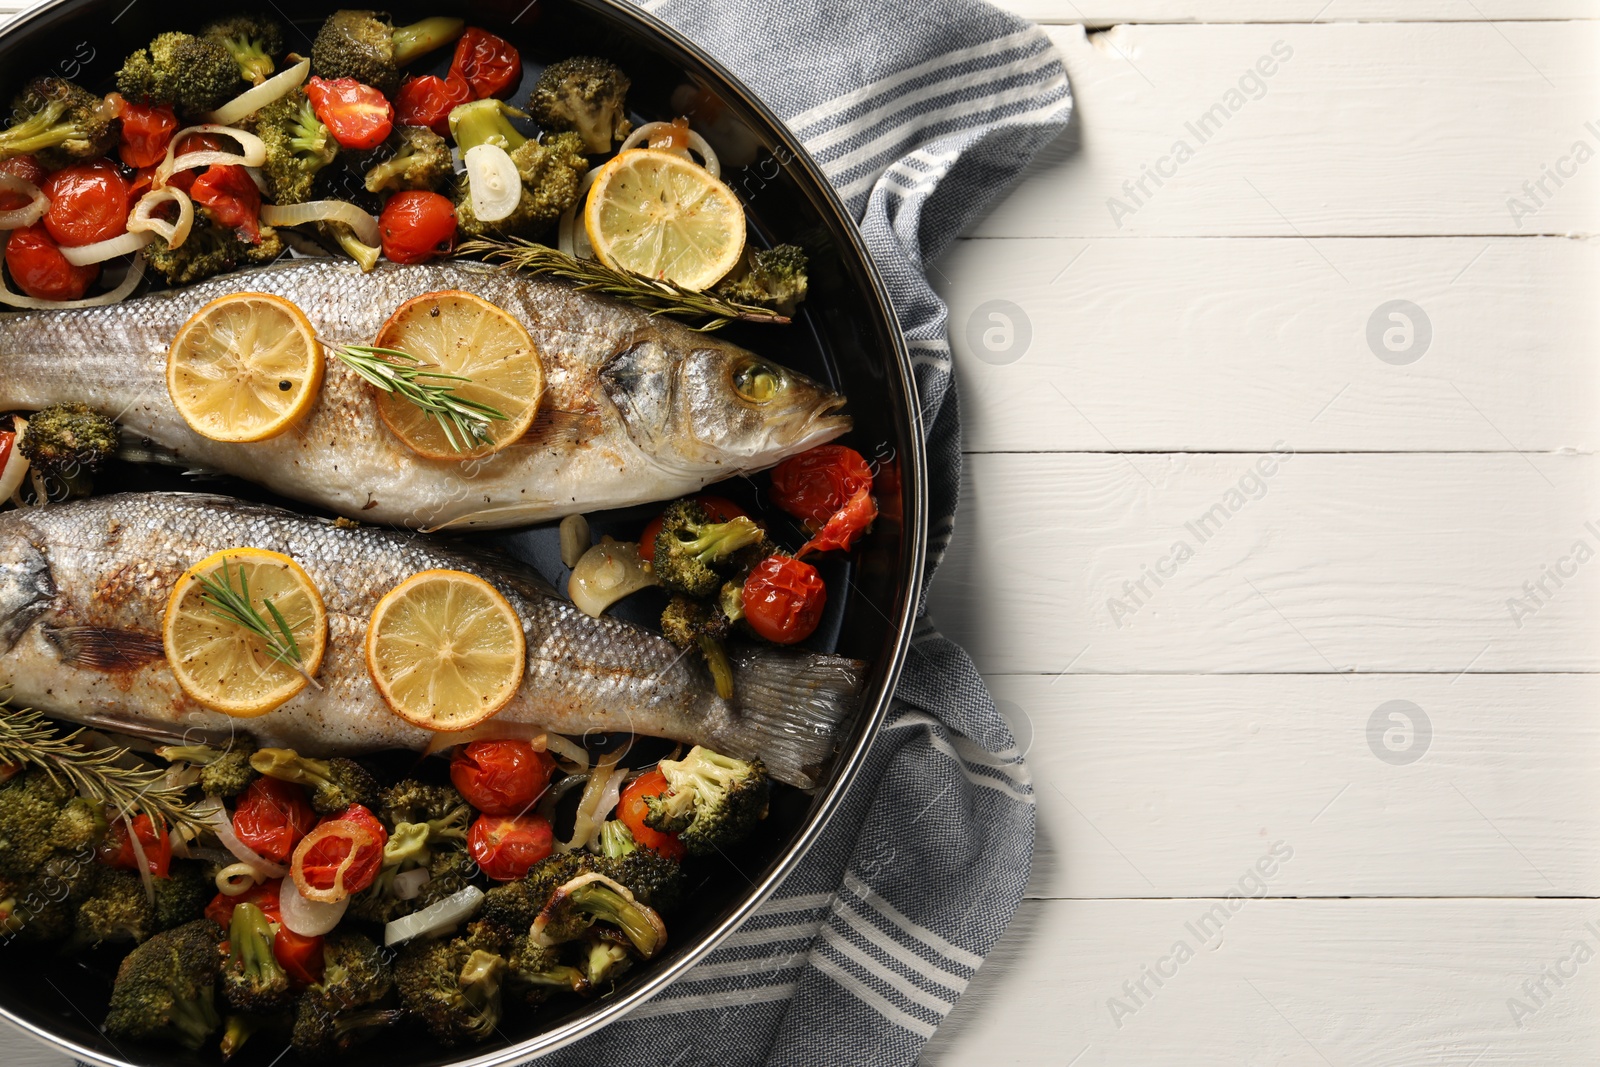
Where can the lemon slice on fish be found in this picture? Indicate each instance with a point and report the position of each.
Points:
(445, 650)
(245, 367)
(232, 667)
(660, 215)
(458, 333)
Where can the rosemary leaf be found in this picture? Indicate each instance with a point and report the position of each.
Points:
(233, 605)
(409, 378)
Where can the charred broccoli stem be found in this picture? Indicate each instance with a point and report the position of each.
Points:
(687, 623)
(420, 160)
(452, 988)
(592, 898)
(773, 278)
(60, 123)
(712, 801)
(69, 441)
(298, 147)
(535, 971)
(252, 41)
(335, 783)
(366, 46)
(166, 988)
(689, 546)
(224, 771)
(587, 95)
(193, 74)
(252, 979)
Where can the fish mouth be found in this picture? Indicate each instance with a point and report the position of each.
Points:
(825, 419)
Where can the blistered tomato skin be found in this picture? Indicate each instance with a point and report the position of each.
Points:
(88, 203)
(416, 226)
(40, 270)
(783, 599)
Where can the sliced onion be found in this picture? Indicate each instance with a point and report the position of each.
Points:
(364, 225)
(126, 286)
(493, 182)
(407, 884)
(174, 233)
(358, 836)
(574, 539)
(442, 915)
(138, 850)
(309, 918)
(570, 233)
(490, 730)
(259, 96)
(30, 212)
(237, 879)
(254, 151)
(16, 467)
(605, 780)
(573, 751)
(697, 144)
(606, 573)
(110, 248)
(222, 826)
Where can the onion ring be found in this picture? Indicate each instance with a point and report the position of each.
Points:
(126, 286)
(364, 225)
(257, 97)
(359, 837)
(110, 248)
(174, 233)
(30, 213)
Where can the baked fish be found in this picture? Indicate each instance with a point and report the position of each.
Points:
(84, 585)
(636, 408)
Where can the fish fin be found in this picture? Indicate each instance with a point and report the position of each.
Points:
(556, 426)
(789, 706)
(105, 648)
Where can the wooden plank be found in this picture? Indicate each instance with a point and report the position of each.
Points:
(1314, 563)
(1313, 983)
(1360, 129)
(1233, 344)
(1165, 786)
(1110, 12)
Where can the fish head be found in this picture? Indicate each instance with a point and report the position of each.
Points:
(26, 587)
(717, 406)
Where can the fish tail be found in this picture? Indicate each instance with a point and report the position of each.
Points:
(788, 708)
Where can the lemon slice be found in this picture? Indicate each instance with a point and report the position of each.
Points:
(225, 665)
(244, 368)
(457, 333)
(663, 216)
(445, 650)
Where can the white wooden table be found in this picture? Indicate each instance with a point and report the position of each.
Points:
(1319, 786)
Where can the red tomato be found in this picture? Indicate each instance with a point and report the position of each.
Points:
(184, 179)
(718, 509)
(416, 226)
(25, 167)
(146, 132)
(501, 777)
(632, 809)
(298, 954)
(319, 858)
(272, 817)
(847, 524)
(117, 849)
(818, 482)
(783, 599)
(357, 115)
(428, 101)
(505, 846)
(263, 896)
(233, 200)
(88, 203)
(7, 439)
(40, 270)
(489, 64)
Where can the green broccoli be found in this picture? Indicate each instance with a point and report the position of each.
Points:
(166, 988)
(654, 879)
(604, 959)
(193, 74)
(551, 171)
(298, 147)
(59, 123)
(42, 906)
(690, 623)
(515, 905)
(224, 771)
(69, 442)
(689, 545)
(343, 236)
(116, 909)
(252, 978)
(413, 801)
(591, 898)
(209, 250)
(252, 41)
(30, 803)
(711, 800)
(183, 893)
(240, 1027)
(366, 46)
(772, 278)
(335, 783)
(585, 94)
(420, 160)
(535, 971)
(355, 976)
(452, 988)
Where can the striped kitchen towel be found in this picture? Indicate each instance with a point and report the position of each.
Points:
(920, 112)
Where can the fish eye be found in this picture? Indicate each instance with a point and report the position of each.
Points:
(757, 382)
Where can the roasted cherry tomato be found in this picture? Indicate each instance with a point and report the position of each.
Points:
(428, 101)
(88, 203)
(783, 599)
(357, 115)
(847, 524)
(717, 509)
(489, 64)
(505, 846)
(416, 226)
(7, 440)
(263, 896)
(40, 270)
(25, 167)
(326, 852)
(501, 777)
(298, 954)
(272, 817)
(818, 482)
(632, 809)
(146, 132)
(116, 850)
(232, 199)
(182, 179)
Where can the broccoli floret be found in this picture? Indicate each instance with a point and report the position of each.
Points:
(209, 250)
(319, 1035)
(335, 783)
(116, 909)
(452, 988)
(252, 979)
(193, 74)
(654, 879)
(298, 147)
(420, 160)
(225, 771)
(166, 988)
(69, 441)
(183, 893)
(515, 905)
(42, 906)
(366, 46)
(551, 170)
(60, 123)
(355, 976)
(449, 872)
(29, 806)
(773, 278)
(711, 801)
(535, 971)
(252, 41)
(690, 623)
(343, 236)
(412, 800)
(689, 545)
(592, 898)
(585, 94)
(605, 958)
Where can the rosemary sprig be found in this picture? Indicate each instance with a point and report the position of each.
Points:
(403, 374)
(25, 738)
(233, 605)
(656, 297)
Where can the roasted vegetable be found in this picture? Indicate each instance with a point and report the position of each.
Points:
(193, 74)
(587, 95)
(712, 801)
(252, 41)
(366, 46)
(59, 123)
(166, 988)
